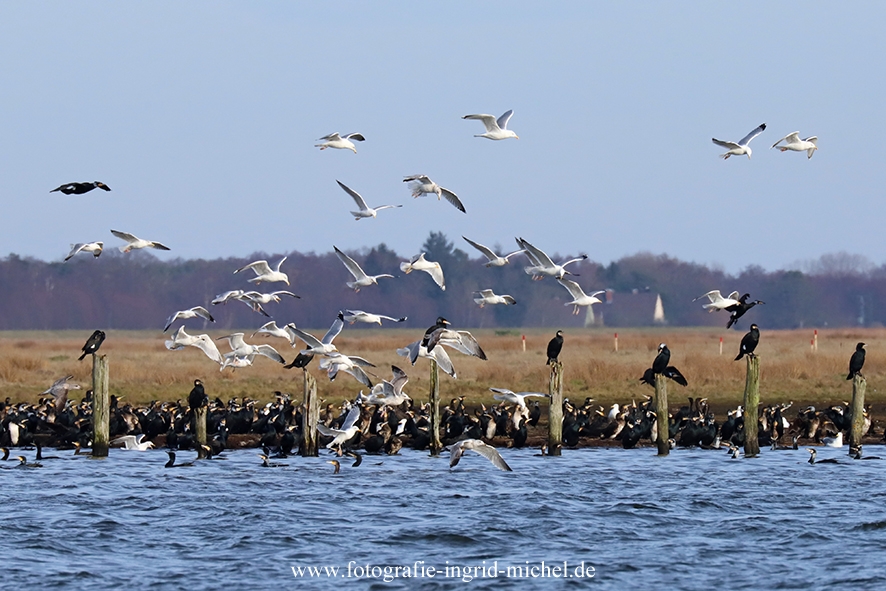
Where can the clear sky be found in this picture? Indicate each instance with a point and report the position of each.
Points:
(202, 116)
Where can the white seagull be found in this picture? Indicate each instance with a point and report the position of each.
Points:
(195, 312)
(460, 340)
(365, 210)
(487, 451)
(421, 185)
(267, 298)
(348, 429)
(59, 390)
(795, 144)
(263, 272)
(579, 297)
(94, 247)
(361, 279)
(493, 259)
(335, 362)
(334, 140)
(518, 398)
(542, 265)
(496, 129)
(135, 243)
(413, 351)
(419, 263)
(486, 296)
(133, 442)
(322, 346)
(352, 316)
(240, 348)
(718, 302)
(390, 393)
(180, 339)
(271, 329)
(742, 146)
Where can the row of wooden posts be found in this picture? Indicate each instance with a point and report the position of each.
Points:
(309, 445)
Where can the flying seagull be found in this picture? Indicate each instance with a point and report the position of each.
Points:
(493, 259)
(334, 140)
(317, 346)
(195, 312)
(488, 297)
(419, 263)
(59, 390)
(579, 297)
(421, 185)
(365, 210)
(717, 302)
(518, 398)
(487, 451)
(352, 316)
(542, 265)
(496, 129)
(361, 279)
(80, 188)
(742, 146)
(94, 247)
(264, 273)
(133, 442)
(180, 339)
(348, 429)
(793, 142)
(135, 243)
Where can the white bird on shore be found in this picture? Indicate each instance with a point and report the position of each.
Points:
(390, 393)
(361, 279)
(742, 147)
(335, 362)
(795, 144)
(542, 265)
(518, 398)
(348, 429)
(180, 339)
(496, 129)
(94, 247)
(487, 451)
(135, 243)
(334, 140)
(487, 297)
(352, 316)
(195, 312)
(717, 301)
(493, 259)
(133, 442)
(579, 297)
(322, 346)
(240, 348)
(420, 185)
(263, 272)
(365, 210)
(419, 263)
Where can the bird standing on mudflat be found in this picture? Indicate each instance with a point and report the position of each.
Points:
(856, 362)
(555, 345)
(92, 343)
(749, 343)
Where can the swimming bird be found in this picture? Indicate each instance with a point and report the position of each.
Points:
(23, 463)
(738, 309)
(420, 185)
(92, 344)
(812, 455)
(793, 142)
(336, 464)
(322, 346)
(555, 345)
(94, 247)
(180, 339)
(390, 393)
(59, 390)
(264, 273)
(742, 147)
(419, 263)
(542, 265)
(749, 343)
(493, 260)
(352, 316)
(195, 312)
(361, 279)
(579, 297)
(266, 463)
(348, 429)
(717, 302)
(171, 462)
(241, 350)
(334, 140)
(133, 442)
(136, 243)
(80, 188)
(487, 451)
(856, 362)
(197, 397)
(365, 210)
(496, 129)
(487, 297)
(518, 398)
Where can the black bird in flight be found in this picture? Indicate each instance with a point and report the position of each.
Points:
(554, 347)
(197, 397)
(80, 188)
(856, 362)
(93, 343)
(736, 311)
(749, 342)
(301, 361)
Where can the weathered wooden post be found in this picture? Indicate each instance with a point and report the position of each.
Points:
(859, 385)
(308, 446)
(555, 411)
(661, 415)
(751, 404)
(436, 445)
(200, 424)
(100, 406)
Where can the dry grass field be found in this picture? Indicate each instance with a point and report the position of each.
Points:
(141, 369)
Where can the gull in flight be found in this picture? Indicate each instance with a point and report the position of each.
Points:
(263, 272)
(195, 312)
(136, 243)
(133, 442)
(361, 279)
(486, 296)
(793, 142)
(352, 316)
(742, 146)
(493, 259)
(518, 398)
(718, 302)
(460, 340)
(390, 393)
(322, 346)
(241, 296)
(271, 329)
(419, 263)
(334, 140)
(267, 298)
(487, 451)
(242, 349)
(579, 297)
(542, 265)
(413, 351)
(94, 247)
(180, 339)
(421, 184)
(348, 429)
(335, 362)
(59, 391)
(496, 129)
(80, 188)
(365, 210)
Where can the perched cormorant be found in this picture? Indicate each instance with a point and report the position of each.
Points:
(197, 397)
(660, 366)
(93, 343)
(749, 342)
(736, 311)
(80, 188)
(856, 362)
(661, 360)
(554, 347)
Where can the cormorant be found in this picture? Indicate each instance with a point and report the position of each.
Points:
(749, 342)
(554, 347)
(736, 311)
(660, 366)
(171, 463)
(197, 397)
(301, 361)
(93, 343)
(856, 362)
(441, 323)
(80, 188)
(812, 460)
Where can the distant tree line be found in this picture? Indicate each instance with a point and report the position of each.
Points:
(137, 291)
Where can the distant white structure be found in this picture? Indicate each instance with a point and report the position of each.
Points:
(658, 316)
(590, 319)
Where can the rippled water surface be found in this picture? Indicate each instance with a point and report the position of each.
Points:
(694, 520)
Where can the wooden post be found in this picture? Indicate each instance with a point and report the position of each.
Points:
(200, 424)
(555, 410)
(100, 406)
(308, 446)
(436, 445)
(751, 404)
(859, 385)
(661, 414)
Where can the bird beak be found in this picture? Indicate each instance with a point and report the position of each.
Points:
(517, 136)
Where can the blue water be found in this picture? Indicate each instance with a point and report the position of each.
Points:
(694, 520)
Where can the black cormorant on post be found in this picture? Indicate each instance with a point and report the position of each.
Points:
(736, 311)
(554, 347)
(856, 362)
(93, 343)
(441, 323)
(749, 342)
(660, 365)
(197, 397)
(80, 188)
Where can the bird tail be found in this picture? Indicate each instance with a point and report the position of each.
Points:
(740, 355)
(850, 376)
(82, 356)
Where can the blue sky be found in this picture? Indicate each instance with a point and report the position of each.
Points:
(201, 116)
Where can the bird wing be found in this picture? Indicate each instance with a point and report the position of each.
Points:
(399, 380)
(280, 264)
(350, 264)
(124, 236)
(358, 199)
(485, 250)
(462, 341)
(75, 248)
(443, 361)
(269, 352)
(351, 419)
(543, 259)
(328, 432)
(756, 131)
(235, 341)
(574, 288)
(721, 143)
(310, 340)
(455, 452)
(289, 293)
(159, 246)
(202, 313)
(417, 177)
(333, 331)
(790, 138)
(529, 253)
(505, 117)
(713, 296)
(260, 268)
(733, 296)
(491, 454)
(331, 137)
(453, 199)
(128, 441)
(355, 136)
(436, 273)
(488, 121)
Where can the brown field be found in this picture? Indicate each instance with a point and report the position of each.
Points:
(141, 369)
